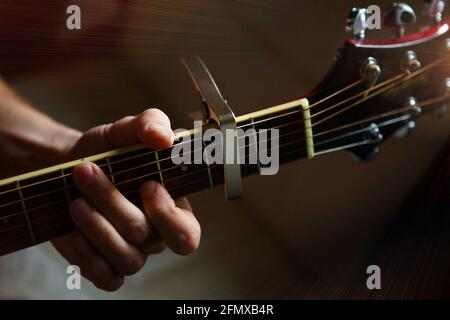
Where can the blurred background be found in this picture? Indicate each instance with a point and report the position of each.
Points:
(300, 234)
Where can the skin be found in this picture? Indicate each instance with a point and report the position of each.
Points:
(114, 238)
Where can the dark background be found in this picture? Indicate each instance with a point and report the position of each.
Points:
(300, 234)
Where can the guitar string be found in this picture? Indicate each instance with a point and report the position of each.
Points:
(384, 89)
(423, 104)
(195, 181)
(403, 108)
(407, 75)
(315, 104)
(59, 224)
(332, 95)
(145, 154)
(143, 165)
(261, 121)
(126, 193)
(344, 89)
(29, 198)
(134, 191)
(69, 187)
(387, 82)
(393, 112)
(152, 152)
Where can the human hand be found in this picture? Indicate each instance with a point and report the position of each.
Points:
(114, 237)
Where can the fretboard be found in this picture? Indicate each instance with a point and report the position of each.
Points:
(34, 207)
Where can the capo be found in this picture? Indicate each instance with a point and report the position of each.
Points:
(216, 109)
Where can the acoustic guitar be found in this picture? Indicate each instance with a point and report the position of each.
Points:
(376, 89)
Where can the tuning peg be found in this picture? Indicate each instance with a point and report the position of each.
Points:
(369, 151)
(398, 15)
(434, 9)
(370, 71)
(415, 111)
(374, 134)
(357, 23)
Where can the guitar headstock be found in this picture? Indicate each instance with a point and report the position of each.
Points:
(378, 88)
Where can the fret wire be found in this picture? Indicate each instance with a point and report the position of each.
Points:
(126, 193)
(379, 85)
(168, 169)
(111, 175)
(18, 237)
(281, 136)
(217, 175)
(211, 182)
(257, 155)
(25, 213)
(242, 126)
(295, 141)
(130, 180)
(134, 179)
(134, 191)
(20, 187)
(148, 153)
(159, 168)
(66, 188)
(253, 124)
(191, 152)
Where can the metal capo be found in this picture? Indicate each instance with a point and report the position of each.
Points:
(215, 108)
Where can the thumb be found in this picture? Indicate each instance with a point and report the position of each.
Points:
(152, 127)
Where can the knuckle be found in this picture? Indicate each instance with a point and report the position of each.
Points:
(153, 246)
(79, 211)
(107, 194)
(157, 248)
(107, 134)
(188, 241)
(136, 228)
(132, 265)
(154, 114)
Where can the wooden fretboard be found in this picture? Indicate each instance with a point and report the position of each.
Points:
(33, 207)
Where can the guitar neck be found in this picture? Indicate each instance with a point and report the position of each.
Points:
(34, 206)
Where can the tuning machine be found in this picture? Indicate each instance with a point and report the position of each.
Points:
(371, 149)
(370, 71)
(415, 111)
(374, 134)
(398, 15)
(357, 23)
(410, 62)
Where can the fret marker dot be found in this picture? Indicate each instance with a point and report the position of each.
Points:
(184, 168)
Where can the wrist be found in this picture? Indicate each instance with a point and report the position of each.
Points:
(47, 143)
(62, 141)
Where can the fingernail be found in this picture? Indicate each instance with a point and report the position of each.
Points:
(85, 172)
(80, 208)
(162, 130)
(149, 188)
